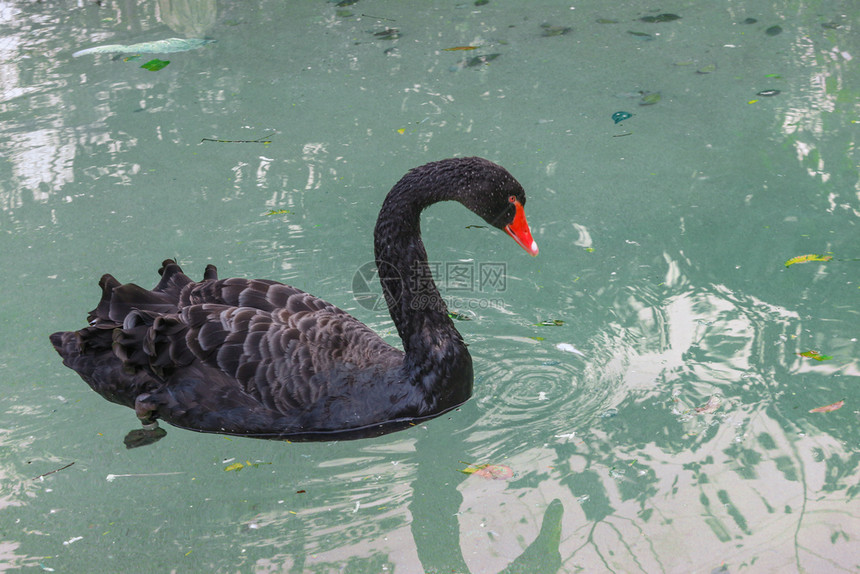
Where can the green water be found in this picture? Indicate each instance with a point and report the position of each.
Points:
(663, 245)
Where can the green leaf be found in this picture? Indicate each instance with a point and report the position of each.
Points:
(155, 65)
(815, 355)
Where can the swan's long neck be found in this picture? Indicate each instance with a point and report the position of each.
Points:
(434, 348)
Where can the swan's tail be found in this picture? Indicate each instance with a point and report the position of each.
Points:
(96, 353)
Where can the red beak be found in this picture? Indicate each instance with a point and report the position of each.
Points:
(519, 230)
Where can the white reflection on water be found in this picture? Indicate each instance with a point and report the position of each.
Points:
(638, 467)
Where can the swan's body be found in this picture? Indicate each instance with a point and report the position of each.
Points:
(259, 358)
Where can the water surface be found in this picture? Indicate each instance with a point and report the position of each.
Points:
(663, 247)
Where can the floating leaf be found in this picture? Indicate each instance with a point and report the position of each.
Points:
(660, 18)
(828, 408)
(549, 30)
(649, 98)
(481, 2)
(768, 93)
(344, 3)
(815, 355)
(155, 65)
(807, 258)
(239, 466)
(618, 117)
(459, 316)
(278, 211)
(707, 69)
(773, 31)
(550, 323)
(639, 34)
(489, 471)
(710, 406)
(388, 34)
(480, 60)
(606, 21)
(460, 48)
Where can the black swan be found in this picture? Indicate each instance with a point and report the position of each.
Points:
(257, 358)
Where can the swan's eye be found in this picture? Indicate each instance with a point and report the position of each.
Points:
(512, 199)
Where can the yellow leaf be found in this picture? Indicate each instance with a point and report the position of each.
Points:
(234, 466)
(401, 131)
(807, 258)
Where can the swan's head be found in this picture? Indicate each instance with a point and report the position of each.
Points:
(496, 196)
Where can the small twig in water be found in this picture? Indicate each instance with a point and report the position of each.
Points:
(42, 476)
(378, 17)
(113, 477)
(262, 140)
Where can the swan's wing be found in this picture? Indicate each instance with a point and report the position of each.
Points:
(224, 343)
(291, 358)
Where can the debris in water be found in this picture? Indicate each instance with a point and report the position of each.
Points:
(388, 34)
(113, 477)
(42, 476)
(155, 65)
(815, 355)
(773, 31)
(829, 408)
(550, 30)
(660, 18)
(167, 46)
(649, 98)
(568, 348)
(709, 407)
(263, 140)
(807, 258)
(488, 471)
(549, 323)
(619, 117)
(72, 540)
(481, 60)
